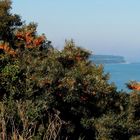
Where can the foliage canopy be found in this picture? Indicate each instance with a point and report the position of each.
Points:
(51, 95)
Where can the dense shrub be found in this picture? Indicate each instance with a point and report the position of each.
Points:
(40, 83)
(51, 95)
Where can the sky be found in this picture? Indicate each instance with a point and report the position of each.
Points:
(102, 26)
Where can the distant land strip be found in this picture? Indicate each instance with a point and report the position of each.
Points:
(107, 59)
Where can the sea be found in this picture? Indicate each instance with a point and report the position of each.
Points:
(122, 73)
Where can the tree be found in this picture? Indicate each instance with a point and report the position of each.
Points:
(60, 81)
(8, 22)
(51, 94)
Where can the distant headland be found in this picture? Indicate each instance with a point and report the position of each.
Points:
(107, 59)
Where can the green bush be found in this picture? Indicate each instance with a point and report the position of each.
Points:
(51, 95)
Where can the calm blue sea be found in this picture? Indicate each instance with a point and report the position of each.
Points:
(121, 74)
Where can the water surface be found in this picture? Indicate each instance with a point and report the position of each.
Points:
(123, 73)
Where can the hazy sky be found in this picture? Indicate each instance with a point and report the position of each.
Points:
(102, 26)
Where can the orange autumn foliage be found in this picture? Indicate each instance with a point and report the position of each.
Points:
(30, 42)
(134, 86)
(5, 47)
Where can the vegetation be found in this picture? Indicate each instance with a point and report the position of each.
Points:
(46, 94)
